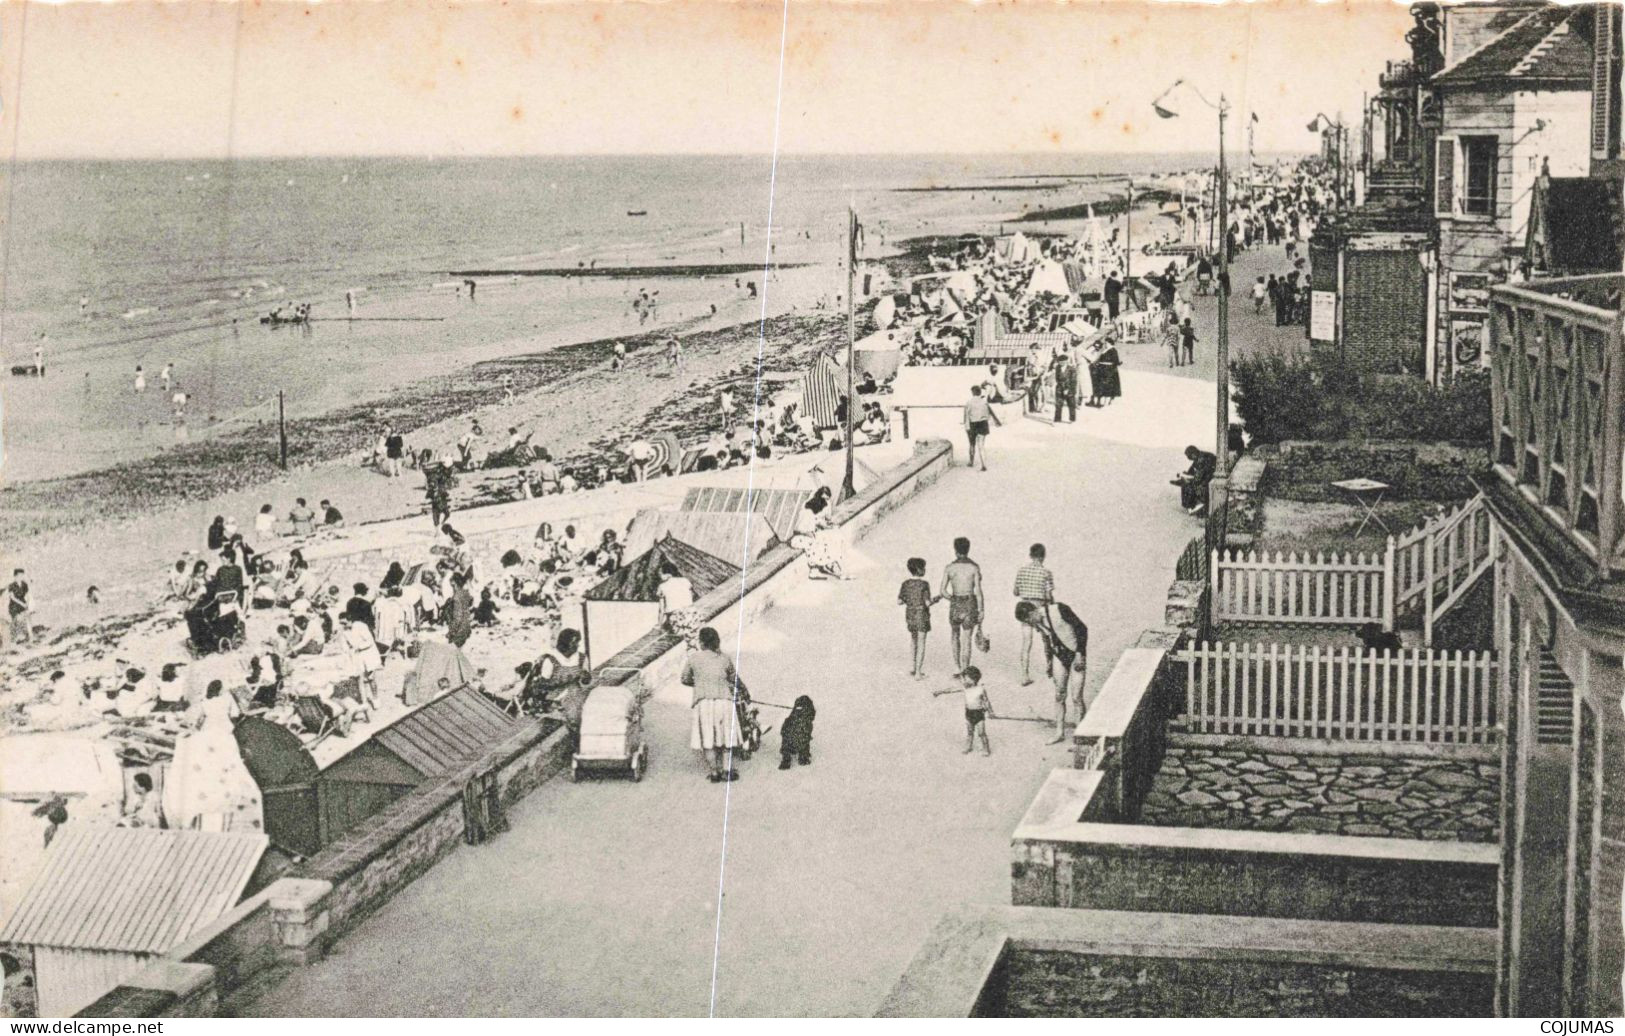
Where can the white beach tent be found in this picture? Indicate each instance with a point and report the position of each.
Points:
(881, 354)
(1049, 276)
(82, 769)
(885, 312)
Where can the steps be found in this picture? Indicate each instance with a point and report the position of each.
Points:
(1554, 704)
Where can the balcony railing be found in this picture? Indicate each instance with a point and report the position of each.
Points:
(1559, 405)
(1397, 75)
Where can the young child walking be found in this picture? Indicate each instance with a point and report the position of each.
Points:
(977, 709)
(915, 597)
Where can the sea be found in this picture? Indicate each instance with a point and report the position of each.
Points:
(150, 245)
(109, 264)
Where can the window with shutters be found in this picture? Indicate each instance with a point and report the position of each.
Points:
(1605, 89)
(1479, 172)
(1444, 177)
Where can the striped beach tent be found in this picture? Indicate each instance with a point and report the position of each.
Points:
(822, 387)
(668, 456)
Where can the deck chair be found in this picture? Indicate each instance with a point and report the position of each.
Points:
(316, 717)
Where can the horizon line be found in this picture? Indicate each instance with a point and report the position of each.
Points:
(437, 156)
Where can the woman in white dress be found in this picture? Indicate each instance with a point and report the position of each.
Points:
(814, 536)
(364, 660)
(207, 787)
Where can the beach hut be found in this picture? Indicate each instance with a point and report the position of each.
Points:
(822, 387)
(287, 777)
(1017, 248)
(36, 768)
(726, 535)
(423, 745)
(109, 899)
(885, 312)
(779, 507)
(626, 605)
(1049, 277)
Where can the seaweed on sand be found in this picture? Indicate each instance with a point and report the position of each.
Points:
(247, 457)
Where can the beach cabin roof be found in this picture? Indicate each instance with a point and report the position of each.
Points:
(132, 890)
(781, 507)
(427, 743)
(639, 579)
(725, 535)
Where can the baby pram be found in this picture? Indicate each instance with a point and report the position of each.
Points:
(215, 624)
(611, 733)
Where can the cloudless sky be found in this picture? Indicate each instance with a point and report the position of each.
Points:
(196, 79)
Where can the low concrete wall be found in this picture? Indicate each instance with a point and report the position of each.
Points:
(1027, 962)
(1124, 732)
(295, 919)
(1060, 860)
(657, 657)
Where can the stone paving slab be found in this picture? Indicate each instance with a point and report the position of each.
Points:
(1353, 794)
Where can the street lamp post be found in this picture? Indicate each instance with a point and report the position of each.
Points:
(1222, 375)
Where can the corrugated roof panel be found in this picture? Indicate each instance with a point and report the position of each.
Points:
(132, 890)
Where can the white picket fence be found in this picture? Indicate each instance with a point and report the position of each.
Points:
(1280, 587)
(1438, 561)
(1347, 694)
(1425, 570)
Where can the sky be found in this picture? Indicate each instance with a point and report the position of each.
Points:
(184, 79)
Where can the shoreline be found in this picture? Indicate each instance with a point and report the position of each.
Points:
(246, 458)
(690, 270)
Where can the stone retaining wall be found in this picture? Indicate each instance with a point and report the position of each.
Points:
(1064, 856)
(1026, 962)
(1248, 788)
(1061, 984)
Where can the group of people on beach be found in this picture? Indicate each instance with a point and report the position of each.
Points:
(1064, 637)
(169, 387)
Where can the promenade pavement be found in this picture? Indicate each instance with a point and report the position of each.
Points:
(603, 897)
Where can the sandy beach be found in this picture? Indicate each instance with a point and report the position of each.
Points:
(152, 496)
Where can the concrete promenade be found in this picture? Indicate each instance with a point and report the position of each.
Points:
(602, 899)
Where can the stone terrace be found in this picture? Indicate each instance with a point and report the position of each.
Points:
(1253, 788)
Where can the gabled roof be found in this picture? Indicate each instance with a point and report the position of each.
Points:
(1546, 45)
(639, 579)
(728, 536)
(132, 889)
(438, 737)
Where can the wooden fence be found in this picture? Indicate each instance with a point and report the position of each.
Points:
(1344, 694)
(1420, 573)
(1280, 587)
